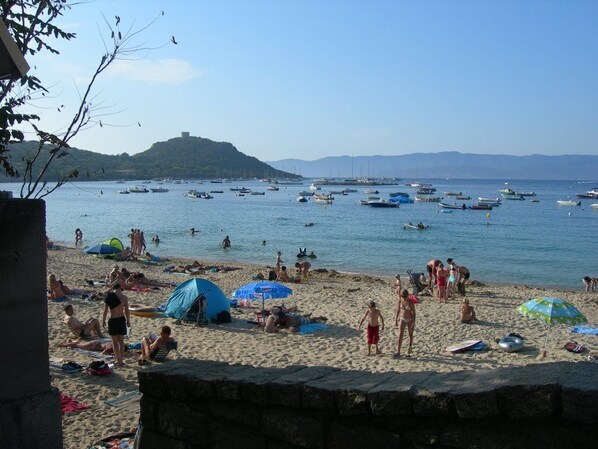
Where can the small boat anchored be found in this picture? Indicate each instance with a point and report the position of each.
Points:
(568, 203)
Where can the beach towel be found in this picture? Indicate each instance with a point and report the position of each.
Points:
(68, 404)
(311, 328)
(94, 354)
(585, 330)
(130, 401)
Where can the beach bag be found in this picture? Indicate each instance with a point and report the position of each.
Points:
(271, 275)
(98, 368)
(574, 347)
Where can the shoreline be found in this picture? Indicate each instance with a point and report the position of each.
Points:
(342, 297)
(390, 275)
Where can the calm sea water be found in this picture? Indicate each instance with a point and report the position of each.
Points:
(538, 244)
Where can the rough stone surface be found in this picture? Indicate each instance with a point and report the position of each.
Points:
(544, 406)
(294, 428)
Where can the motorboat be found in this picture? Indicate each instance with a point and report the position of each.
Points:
(463, 198)
(594, 206)
(257, 193)
(314, 187)
(124, 192)
(494, 202)
(514, 197)
(371, 192)
(349, 190)
(568, 203)
(138, 189)
(480, 207)
(305, 193)
(527, 193)
(216, 191)
(426, 191)
(159, 189)
(428, 199)
(273, 188)
(452, 193)
(244, 190)
(198, 194)
(452, 206)
(301, 199)
(323, 196)
(320, 200)
(382, 203)
(405, 194)
(507, 191)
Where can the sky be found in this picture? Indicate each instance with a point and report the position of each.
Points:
(308, 79)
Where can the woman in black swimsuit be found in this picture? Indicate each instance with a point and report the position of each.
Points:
(118, 305)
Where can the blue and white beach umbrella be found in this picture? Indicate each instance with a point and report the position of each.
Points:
(262, 290)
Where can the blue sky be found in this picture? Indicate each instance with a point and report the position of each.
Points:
(310, 79)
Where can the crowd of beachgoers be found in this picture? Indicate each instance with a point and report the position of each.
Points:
(425, 313)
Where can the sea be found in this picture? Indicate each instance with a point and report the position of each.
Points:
(520, 242)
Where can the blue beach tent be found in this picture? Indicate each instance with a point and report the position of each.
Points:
(184, 295)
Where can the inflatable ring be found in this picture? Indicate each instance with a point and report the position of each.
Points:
(511, 344)
(143, 311)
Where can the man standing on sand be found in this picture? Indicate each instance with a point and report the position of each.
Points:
(432, 266)
(463, 273)
(118, 305)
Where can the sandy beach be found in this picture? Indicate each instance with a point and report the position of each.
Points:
(342, 297)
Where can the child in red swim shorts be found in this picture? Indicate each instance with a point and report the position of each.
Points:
(374, 318)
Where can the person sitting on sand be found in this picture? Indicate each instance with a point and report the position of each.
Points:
(81, 329)
(56, 290)
(468, 315)
(283, 276)
(374, 318)
(151, 344)
(590, 283)
(105, 347)
(270, 325)
(115, 276)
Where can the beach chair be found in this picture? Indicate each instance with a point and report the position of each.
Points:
(165, 349)
(415, 282)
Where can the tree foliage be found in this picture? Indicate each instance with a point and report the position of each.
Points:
(31, 24)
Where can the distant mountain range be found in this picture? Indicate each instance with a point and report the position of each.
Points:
(183, 157)
(448, 164)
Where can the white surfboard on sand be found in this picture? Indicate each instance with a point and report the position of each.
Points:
(463, 346)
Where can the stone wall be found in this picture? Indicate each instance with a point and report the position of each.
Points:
(195, 404)
(29, 407)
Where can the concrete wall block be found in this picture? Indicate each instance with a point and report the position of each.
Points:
(150, 410)
(433, 403)
(287, 389)
(476, 405)
(32, 422)
(223, 435)
(391, 402)
(237, 412)
(179, 421)
(344, 437)
(487, 435)
(352, 402)
(318, 398)
(528, 401)
(152, 383)
(580, 405)
(150, 439)
(294, 428)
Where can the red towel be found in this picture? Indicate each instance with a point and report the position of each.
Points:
(70, 405)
